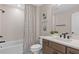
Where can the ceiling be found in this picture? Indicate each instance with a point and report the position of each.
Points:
(64, 7)
(20, 6)
(59, 8)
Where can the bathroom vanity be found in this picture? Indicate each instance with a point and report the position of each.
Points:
(58, 46)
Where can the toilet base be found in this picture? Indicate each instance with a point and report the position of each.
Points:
(36, 52)
(36, 48)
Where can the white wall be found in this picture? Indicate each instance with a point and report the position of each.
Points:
(12, 23)
(37, 23)
(49, 20)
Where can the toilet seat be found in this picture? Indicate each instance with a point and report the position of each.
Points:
(36, 46)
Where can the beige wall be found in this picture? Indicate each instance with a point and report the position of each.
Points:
(12, 22)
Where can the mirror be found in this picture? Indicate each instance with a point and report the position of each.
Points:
(75, 23)
(67, 18)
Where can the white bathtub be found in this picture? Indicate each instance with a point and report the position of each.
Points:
(11, 47)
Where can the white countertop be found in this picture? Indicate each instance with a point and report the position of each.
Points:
(74, 43)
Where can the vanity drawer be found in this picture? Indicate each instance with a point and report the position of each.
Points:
(72, 51)
(57, 46)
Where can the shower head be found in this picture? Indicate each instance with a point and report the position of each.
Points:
(2, 10)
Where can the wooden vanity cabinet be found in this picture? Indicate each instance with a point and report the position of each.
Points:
(50, 47)
(72, 51)
(48, 50)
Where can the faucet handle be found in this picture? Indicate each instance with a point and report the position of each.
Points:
(60, 36)
(68, 37)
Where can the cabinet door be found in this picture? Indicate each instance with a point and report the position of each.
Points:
(57, 52)
(48, 50)
(57, 47)
(72, 51)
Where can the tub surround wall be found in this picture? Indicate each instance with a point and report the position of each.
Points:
(12, 23)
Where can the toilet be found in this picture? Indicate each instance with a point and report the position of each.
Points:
(36, 48)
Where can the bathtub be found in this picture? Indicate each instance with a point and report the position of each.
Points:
(12, 47)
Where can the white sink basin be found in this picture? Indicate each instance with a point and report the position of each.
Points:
(65, 40)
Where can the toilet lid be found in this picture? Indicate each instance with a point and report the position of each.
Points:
(36, 46)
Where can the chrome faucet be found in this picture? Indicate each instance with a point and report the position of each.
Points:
(65, 35)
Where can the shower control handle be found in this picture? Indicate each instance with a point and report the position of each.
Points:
(2, 41)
